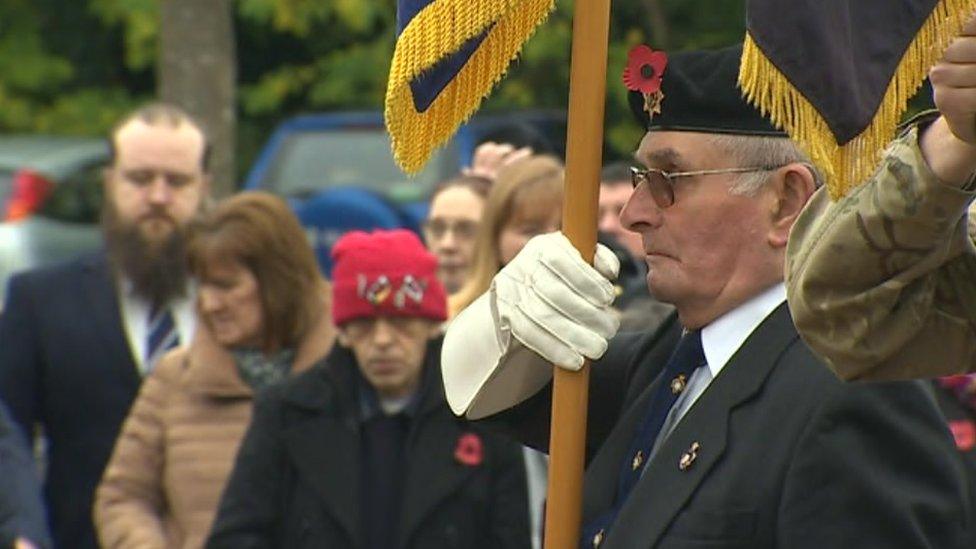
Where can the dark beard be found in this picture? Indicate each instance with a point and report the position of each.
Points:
(157, 270)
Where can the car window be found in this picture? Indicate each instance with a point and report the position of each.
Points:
(311, 161)
(6, 185)
(78, 198)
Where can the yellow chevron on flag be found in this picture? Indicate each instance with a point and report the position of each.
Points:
(449, 55)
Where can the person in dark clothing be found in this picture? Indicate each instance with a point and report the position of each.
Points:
(362, 451)
(22, 520)
(956, 397)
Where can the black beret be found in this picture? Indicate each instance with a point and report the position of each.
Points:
(701, 95)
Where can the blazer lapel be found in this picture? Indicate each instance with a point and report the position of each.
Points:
(433, 471)
(106, 314)
(325, 451)
(678, 468)
(600, 483)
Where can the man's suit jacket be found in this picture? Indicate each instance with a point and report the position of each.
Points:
(296, 482)
(65, 363)
(787, 456)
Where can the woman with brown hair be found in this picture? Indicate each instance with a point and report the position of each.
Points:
(259, 321)
(525, 200)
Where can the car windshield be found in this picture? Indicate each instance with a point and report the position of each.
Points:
(311, 161)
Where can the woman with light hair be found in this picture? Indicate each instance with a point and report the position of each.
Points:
(525, 201)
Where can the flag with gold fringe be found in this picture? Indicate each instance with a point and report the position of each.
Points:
(837, 75)
(449, 55)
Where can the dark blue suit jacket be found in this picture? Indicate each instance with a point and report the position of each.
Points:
(65, 364)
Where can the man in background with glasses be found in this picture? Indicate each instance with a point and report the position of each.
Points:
(721, 428)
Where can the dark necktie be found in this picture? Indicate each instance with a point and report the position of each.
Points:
(161, 335)
(687, 357)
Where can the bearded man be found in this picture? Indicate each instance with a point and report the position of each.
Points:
(77, 338)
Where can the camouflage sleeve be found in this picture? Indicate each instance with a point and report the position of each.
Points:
(882, 283)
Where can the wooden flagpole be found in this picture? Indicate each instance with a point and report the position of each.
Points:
(584, 155)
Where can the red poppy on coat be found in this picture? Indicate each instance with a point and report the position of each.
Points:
(469, 450)
(964, 431)
(644, 69)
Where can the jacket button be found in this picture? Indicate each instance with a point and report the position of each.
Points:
(638, 460)
(689, 457)
(598, 538)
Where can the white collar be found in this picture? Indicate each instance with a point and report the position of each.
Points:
(723, 337)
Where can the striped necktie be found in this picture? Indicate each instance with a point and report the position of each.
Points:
(161, 336)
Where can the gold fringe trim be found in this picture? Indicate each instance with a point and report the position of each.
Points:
(846, 166)
(437, 31)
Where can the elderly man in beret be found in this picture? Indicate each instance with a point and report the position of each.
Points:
(721, 428)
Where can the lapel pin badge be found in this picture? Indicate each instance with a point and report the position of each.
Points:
(688, 458)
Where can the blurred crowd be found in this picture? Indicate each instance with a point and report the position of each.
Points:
(131, 374)
(200, 383)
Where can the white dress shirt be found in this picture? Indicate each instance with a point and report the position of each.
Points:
(135, 319)
(720, 341)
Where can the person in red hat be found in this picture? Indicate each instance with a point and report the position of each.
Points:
(362, 450)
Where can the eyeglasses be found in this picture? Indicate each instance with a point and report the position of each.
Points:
(661, 183)
(436, 229)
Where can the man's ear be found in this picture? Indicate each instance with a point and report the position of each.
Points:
(793, 186)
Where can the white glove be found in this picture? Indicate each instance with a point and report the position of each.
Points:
(555, 303)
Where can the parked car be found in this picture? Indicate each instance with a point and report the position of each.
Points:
(50, 195)
(338, 172)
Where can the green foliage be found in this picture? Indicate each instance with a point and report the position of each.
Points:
(73, 66)
(140, 21)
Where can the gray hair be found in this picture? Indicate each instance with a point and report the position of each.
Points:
(754, 150)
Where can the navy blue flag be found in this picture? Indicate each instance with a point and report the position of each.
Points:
(449, 55)
(837, 75)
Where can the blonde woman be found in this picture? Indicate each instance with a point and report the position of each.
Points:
(525, 201)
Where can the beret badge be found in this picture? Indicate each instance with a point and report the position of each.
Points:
(643, 73)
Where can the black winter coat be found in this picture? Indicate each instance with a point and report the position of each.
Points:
(296, 480)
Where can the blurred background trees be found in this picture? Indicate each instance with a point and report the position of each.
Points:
(73, 66)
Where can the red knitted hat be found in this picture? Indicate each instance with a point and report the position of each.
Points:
(385, 273)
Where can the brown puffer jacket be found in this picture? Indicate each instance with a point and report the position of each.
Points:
(177, 447)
